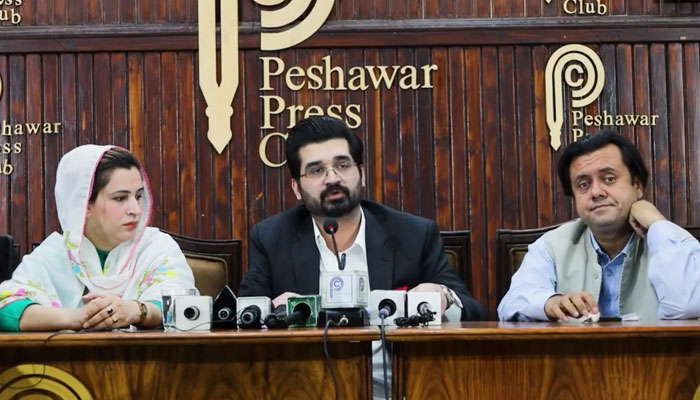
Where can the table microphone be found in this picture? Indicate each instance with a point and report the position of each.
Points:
(342, 289)
(330, 226)
(387, 308)
(300, 312)
(425, 310)
(251, 311)
(387, 304)
(250, 317)
(303, 311)
(224, 310)
(276, 319)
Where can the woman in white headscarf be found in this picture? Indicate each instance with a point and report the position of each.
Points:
(107, 268)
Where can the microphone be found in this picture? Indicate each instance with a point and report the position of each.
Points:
(224, 310)
(425, 308)
(276, 319)
(426, 305)
(330, 226)
(251, 311)
(387, 307)
(300, 313)
(279, 319)
(342, 289)
(304, 311)
(391, 304)
(250, 317)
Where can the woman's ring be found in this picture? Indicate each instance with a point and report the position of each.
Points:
(115, 319)
(110, 310)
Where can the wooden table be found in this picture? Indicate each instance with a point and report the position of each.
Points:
(262, 364)
(491, 360)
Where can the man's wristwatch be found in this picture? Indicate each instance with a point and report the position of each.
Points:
(144, 313)
(449, 296)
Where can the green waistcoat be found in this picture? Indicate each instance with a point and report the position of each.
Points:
(576, 264)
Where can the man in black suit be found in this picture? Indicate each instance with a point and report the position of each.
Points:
(398, 250)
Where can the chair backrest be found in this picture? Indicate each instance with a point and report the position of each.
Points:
(9, 256)
(512, 247)
(694, 230)
(457, 245)
(214, 263)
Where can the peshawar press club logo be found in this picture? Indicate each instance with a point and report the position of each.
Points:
(290, 25)
(582, 70)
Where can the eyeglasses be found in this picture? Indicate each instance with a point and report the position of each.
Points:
(340, 168)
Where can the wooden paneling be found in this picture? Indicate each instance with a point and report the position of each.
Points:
(547, 361)
(472, 153)
(225, 364)
(92, 12)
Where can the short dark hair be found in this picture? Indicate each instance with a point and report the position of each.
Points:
(630, 156)
(317, 130)
(112, 159)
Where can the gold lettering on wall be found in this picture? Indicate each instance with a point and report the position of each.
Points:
(288, 16)
(12, 14)
(305, 19)
(330, 77)
(581, 69)
(262, 149)
(10, 130)
(584, 7)
(586, 85)
(218, 96)
(327, 76)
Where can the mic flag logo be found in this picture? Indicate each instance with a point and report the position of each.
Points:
(286, 17)
(582, 70)
(219, 95)
(336, 285)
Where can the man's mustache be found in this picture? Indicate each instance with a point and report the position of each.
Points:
(327, 191)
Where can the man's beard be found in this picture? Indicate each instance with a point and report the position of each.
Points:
(332, 208)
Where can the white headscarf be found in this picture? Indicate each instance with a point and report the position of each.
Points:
(74, 182)
(63, 267)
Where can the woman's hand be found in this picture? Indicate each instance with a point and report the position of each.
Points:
(42, 318)
(109, 311)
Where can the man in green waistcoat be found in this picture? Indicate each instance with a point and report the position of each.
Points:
(621, 257)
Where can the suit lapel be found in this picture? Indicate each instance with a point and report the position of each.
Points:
(306, 259)
(380, 254)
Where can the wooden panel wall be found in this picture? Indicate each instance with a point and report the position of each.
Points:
(473, 153)
(95, 12)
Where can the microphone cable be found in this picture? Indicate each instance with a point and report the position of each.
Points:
(387, 393)
(329, 322)
(42, 374)
(424, 316)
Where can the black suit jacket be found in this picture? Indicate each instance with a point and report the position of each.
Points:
(402, 250)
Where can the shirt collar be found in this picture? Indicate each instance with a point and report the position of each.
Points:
(359, 239)
(601, 253)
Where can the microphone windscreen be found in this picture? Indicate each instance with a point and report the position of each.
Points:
(389, 305)
(304, 309)
(330, 225)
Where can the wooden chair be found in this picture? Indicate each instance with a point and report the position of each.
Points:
(694, 230)
(457, 246)
(512, 247)
(214, 263)
(9, 256)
